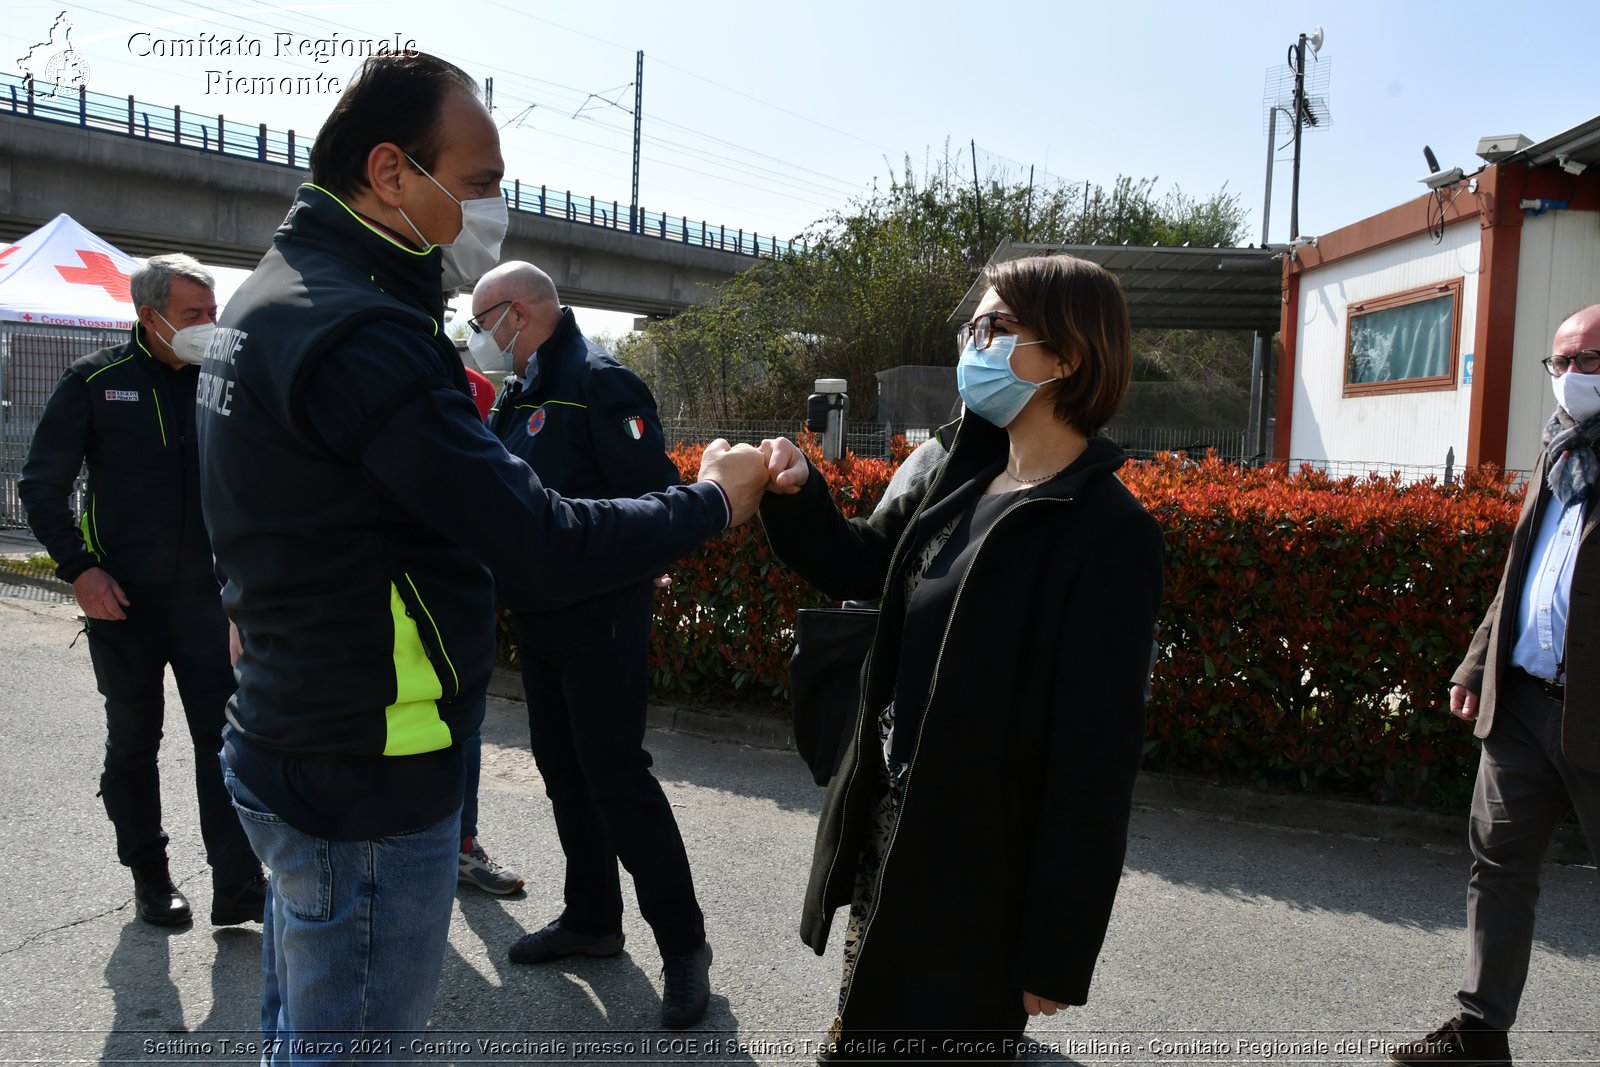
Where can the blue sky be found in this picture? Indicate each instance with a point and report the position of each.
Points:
(767, 116)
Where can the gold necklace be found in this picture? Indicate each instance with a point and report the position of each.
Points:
(1033, 481)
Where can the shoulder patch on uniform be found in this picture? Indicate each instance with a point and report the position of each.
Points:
(634, 425)
(536, 421)
(122, 394)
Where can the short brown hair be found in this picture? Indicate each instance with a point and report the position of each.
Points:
(1077, 308)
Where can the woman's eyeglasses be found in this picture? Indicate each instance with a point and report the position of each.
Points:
(1588, 363)
(980, 331)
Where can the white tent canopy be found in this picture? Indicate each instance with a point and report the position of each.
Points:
(63, 275)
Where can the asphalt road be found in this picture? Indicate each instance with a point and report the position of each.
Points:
(1231, 942)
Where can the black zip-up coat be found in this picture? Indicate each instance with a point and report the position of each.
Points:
(1002, 873)
(132, 418)
(587, 424)
(354, 499)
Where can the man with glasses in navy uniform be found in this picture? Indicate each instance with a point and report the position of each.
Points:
(588, 427)
(1531, 684)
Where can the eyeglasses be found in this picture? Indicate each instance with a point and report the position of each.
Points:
(1588, 363)
(476, 325)
(980, 331)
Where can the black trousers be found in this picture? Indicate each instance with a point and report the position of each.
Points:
(182, 625)
(587, 675)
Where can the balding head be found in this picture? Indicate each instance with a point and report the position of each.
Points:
(1580, 333)
(519, 304)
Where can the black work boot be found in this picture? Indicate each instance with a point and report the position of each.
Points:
(1464, 1041)
(157, 899)
(240, 902)
(686, 987)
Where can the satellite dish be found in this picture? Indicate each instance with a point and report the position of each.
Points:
(1315, 40)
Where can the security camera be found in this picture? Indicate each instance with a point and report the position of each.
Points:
(1443, 179)
(1438, 179)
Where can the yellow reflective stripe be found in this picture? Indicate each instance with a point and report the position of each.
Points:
(87, 526)
(438, 638)
(161, 422)
(108, 366)
(412, 722)
(545, 404)
(402, 247)
(154, 393)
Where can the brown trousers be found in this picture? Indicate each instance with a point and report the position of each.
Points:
(1524, 788)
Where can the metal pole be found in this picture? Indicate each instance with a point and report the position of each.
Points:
(983, 245)
(1299, 122)
(638, 115)
(1272, 148)
(1258, 354)
(1027, 214)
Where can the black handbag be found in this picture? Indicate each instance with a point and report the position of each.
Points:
(825, 682)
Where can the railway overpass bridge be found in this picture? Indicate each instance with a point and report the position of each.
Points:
(155, 179)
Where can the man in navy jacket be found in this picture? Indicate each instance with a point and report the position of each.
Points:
(588, 427)
(140, 565)
(355, 503)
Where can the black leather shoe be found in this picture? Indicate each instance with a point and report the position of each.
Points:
(241, 902)
(556, 941)
(686, 987)
(156, 898)
(1462, 1042)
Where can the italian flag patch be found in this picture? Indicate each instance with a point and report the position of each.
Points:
(634, 425)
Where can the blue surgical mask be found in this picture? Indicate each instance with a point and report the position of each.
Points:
(988, 385)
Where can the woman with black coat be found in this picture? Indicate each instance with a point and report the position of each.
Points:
(977, 826)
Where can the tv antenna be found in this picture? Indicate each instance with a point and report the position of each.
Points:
(1299, 92)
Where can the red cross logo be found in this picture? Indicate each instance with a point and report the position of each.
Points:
(26, 317)
(99, 269)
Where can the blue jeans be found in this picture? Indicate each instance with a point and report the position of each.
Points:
(353, 939)
(469, 793)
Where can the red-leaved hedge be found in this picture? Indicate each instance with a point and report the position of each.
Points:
(1310, 627)
(1311, 624)
(726, 625)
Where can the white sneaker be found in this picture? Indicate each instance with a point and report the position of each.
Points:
(477, 869)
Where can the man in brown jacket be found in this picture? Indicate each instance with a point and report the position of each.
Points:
(1531, 683)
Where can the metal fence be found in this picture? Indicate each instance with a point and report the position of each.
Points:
(863, 439)
(1147, 441)
(866, 439)
(128, 117)
(1144, 443)
(31, 361)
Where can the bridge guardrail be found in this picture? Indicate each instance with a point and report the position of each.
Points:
(128, 117)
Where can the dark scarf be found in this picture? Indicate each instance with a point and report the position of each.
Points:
(1574, 466)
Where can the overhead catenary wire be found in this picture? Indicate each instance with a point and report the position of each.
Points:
(736, 163)
(785, 179)
(675, 166)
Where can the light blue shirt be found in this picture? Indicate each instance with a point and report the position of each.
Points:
(1547, 592)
